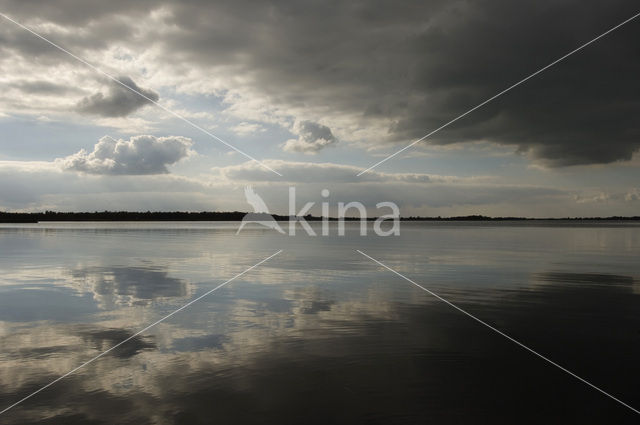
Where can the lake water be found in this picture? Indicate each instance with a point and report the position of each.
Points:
(319, 334)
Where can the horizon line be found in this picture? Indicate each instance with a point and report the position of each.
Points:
(50, 215)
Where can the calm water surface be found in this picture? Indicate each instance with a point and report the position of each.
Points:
(319, 334)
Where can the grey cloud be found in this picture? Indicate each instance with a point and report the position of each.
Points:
(581, 111)
(407, 190)
(142, 154)
(38, 186)
(75, 12)
(44, 185)
(82, 37)
(44, 87)
(119, 101)
(400, 69)
(312, 138)
(413, 67)
(312, 172)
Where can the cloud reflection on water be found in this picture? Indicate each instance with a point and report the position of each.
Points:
(328, 339)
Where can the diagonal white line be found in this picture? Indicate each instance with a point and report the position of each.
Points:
(502, 92)
(139, 332)
(114, 79)
(501, 333)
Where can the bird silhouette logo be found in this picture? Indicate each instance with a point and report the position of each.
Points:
(260, 214)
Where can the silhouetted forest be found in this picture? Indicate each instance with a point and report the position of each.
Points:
(12, 217)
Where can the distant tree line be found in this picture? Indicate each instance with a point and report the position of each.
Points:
(13, 217)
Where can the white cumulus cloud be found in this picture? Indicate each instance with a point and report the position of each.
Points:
(141, 154)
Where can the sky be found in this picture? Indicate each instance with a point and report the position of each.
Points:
(320, 91)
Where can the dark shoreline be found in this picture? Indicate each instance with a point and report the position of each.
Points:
(9, 217)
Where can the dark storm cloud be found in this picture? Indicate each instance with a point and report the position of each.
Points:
(581, 111)
(119, 101)
(419, 65)
(408, 67)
